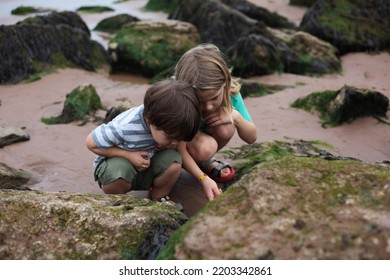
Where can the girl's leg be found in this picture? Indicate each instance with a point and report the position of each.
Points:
(203, 147)
(222, 134)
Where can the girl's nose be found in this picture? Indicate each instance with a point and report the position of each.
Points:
(207, 107)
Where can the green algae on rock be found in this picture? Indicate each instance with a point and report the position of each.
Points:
(344, 105)
(39, 225)
(78, 104)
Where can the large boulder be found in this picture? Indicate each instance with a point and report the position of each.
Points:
(293, 207)
(149, 47)
(255, 48)
(217, 23)
(271, 50)
(37, 44)
(351, 26)
(38, 225)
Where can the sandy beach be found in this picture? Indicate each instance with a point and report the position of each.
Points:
(59, 161)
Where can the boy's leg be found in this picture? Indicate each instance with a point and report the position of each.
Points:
(161, 176)
(115, 175)
(119, 186)
(163, 184)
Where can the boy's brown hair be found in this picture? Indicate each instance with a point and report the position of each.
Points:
(173, 107)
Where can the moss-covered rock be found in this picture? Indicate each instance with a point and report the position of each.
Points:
(256, 89)
(149, 47)
(253, 46)
(78, 104)
(25, 10)
(166, 6)
(94, 9)
(115, 23)
(305, 3)
(292, 207)
(344, 105)
(351, 26)
(37, 225)
(40, 44)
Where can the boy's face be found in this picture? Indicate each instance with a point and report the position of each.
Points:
(163, 140)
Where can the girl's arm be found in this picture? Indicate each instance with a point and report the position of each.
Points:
(245, 129)
(210, 187)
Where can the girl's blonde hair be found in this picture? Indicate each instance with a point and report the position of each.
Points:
(205, 67)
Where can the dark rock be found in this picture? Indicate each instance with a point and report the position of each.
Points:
(10, 135)
(344, 105)
(260, 14)
(351, 26)
(41, 43)
(267, 50)
(351, 103)
(113, 24)
(217, 23)
(11, 178)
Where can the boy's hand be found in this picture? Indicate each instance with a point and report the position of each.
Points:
(211, 188)
(140, 159)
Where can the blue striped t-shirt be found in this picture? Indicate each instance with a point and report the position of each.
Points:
(127, 131)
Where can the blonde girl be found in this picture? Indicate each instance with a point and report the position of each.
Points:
(223, 113)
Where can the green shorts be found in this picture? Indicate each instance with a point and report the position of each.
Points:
(111, 169)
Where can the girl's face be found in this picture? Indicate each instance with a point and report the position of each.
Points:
(210, 99)
(164, 140)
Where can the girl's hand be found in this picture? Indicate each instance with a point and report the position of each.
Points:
(139, 159)
(211, 188)
(217, 117)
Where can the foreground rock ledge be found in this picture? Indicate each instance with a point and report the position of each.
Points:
(37, 225)
(294, 208)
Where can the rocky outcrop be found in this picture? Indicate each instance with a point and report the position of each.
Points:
(41, 43)
(255, 48)
(37, 225)
(267, 51)
(351, 26)
(149, 47)
(344, 105)
(293, 207)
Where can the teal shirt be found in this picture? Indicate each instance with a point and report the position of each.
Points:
(238, 104)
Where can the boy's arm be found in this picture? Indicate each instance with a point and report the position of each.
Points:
(135, 157)
(210, 187)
